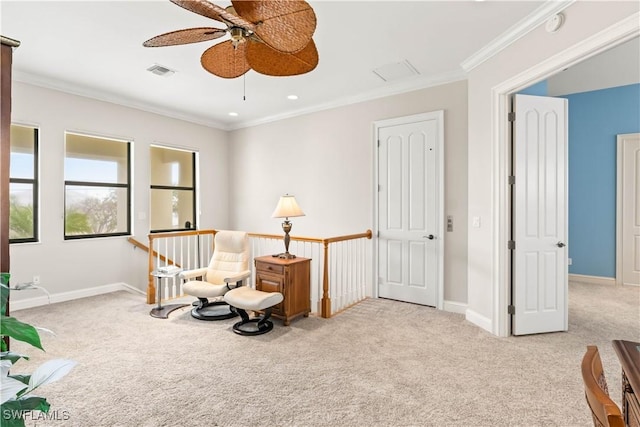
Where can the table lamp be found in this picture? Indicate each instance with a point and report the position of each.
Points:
(287, 207)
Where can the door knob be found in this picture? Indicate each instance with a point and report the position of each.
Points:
(560, 245)
(430, 237)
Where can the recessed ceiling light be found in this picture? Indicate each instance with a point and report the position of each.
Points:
(292, 97)
(233, 114)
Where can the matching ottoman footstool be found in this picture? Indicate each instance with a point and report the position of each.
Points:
(243, 299)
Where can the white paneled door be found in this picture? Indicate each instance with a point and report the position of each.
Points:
(629, 205)
(539, 233)
(409, 203)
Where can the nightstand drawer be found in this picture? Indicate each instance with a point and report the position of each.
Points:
(272, 283)
(269, 268)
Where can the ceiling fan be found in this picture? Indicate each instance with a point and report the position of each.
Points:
(272, 37)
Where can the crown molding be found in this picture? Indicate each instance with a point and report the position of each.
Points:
(517, 31)
(614, 35)
(382, 92)
(410, 85)
(84, 91)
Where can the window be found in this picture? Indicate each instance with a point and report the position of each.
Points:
(23, 185)
(97, 194)
(173, 190)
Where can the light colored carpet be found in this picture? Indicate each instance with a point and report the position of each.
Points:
(380, 363)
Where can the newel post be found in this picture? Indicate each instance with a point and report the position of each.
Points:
(326, 300)
(151, 287)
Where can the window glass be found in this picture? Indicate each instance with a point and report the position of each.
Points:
(21, 211)
(173, 192)
(23, 141)
(171, 167)
(23, 184)
(91, 159)
(97, 190)
(180, 214)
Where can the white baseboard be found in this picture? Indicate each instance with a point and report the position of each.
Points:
(479, 320)
(455, 307)
(38, 301)
(592, 280)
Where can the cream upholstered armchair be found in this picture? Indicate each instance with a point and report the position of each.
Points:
(228, 268)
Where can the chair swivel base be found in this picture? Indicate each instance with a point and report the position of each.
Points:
(255, 326)
(215, 310)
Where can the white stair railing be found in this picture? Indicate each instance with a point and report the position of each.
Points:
(185, 249)
(339, 265)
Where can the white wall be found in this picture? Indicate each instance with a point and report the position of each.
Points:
(616, 67)
(583, 19)
(326, 160)
(71, 266)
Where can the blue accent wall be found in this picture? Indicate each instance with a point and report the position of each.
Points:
(538, 89)
(595, 118)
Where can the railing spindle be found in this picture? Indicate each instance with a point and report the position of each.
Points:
(338, 264)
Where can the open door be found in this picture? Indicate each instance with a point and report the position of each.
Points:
(539, 222)
(628, 207)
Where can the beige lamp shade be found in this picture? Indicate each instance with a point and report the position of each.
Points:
(287, 208)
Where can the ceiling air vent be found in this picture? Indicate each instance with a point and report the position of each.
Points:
(160, 70)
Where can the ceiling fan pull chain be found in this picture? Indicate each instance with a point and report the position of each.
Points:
(244, 87)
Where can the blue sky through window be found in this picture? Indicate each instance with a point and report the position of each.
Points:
(21, 165)
(90, 170)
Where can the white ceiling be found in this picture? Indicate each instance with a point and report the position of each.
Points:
(94, 48)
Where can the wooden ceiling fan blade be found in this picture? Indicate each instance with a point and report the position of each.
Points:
(226, 61)
(190, 35)
(285, 25)
(266, 60)
(210, 10)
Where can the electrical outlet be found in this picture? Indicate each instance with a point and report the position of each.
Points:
(36, 280)
(570, 261)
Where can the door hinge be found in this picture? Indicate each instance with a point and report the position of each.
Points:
(511, 244)
(511, 309)
(379, 187)
(378, 233)
(511, 116)
(512, 180)
(378, 143)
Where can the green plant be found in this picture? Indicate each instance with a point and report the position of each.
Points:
(17, 399)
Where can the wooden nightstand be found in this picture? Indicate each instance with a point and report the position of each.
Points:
(292, 278)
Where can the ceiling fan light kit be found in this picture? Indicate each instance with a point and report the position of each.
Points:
(272, 37)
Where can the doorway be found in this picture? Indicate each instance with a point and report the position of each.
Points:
(501, 215)
(409, 208)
